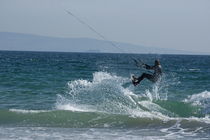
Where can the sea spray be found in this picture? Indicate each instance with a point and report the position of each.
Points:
(201, 99)
(105, 93)
(160, 89)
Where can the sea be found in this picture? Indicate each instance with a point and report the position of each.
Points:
(57, 95)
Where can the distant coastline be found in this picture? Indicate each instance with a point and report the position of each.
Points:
(26, 42)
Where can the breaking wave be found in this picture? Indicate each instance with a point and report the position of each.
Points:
(110, 101)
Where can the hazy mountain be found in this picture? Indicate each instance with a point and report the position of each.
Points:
(27, 42)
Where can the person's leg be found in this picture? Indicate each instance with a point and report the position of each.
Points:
(144, 75)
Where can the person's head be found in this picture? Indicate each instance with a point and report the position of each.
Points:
(157, 62)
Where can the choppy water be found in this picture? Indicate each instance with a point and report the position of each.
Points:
(46, 95)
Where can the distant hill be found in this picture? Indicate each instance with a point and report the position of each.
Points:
(28, 42)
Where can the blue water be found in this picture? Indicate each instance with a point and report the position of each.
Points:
(51, 95)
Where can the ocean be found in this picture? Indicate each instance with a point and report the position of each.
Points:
(55, 95)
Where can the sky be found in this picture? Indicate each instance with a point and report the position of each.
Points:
(172, 24)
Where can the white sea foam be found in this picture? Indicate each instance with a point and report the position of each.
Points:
(100, 76)
(194, 69)
(66, 104)
(103, 93)
(152, 107)
(28, 111)
(205, 119)
(198, 99)
(30, 133)
(136, 113)
(74, 108)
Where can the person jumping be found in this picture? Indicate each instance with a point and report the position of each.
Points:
(152, 77)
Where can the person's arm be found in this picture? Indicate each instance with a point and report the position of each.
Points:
(149, 67)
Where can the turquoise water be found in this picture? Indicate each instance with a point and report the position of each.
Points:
(49, 95)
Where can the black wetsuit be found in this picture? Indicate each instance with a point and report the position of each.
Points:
(152, 77)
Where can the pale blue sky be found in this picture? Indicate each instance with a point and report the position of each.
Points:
(177, 24)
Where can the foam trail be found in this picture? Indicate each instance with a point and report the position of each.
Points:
(28, 111)
(65, 104)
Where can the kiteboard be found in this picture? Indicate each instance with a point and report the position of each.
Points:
(133, 80)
